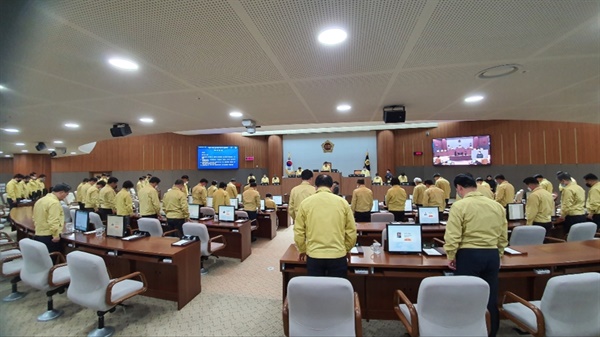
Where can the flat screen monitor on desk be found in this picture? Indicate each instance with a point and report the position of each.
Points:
(404, 238)
(116, 225)
(278, 200)
(194, 211)
(234, 202)
(429, 215)
(515, 211)
(408, 205)
(82, 219)
(227, 213)
(262, 204)
(209, 202)
(375, 207)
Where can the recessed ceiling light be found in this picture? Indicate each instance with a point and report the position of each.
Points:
(58, 142)
(51, 150)
(1, 152)
(472, 99)
(11, 130)
(7, 155)
(73, 152)
(24, 150)
(20, 144)
(236, 114)
(499, 71)
(2, 87)
(343, 107)
(332, 36)
(123, 64)
(72, 125)
(146, 120)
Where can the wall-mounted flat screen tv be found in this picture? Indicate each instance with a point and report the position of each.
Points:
(218, 157)
(462, 151)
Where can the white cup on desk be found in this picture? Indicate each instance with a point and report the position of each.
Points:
(376, 248)
(99, 231)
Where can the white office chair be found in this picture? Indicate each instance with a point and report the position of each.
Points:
(39, 272)
(527, 235)
(382, 217)
(570, 306)
(91, 287)
(321, 306)
(153, 227)
(70, 198)
(208, 245)
(446, 306)
(582, 232)
(244, 215)
(67, 213)
(207, 211)
(96, 220)
(11, 263)
(72, 213)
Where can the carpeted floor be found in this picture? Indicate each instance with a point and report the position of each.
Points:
(237, 299)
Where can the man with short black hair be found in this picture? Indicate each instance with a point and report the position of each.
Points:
(540, 204)
(484, 188)
(395, 199)
(232, 189)
(475, 238)
(544, 183)
(336, 188)
(13, 190)
(220, 197)
(176, 207)
(269, 203)
(247, 186)
(212, 189)
(441, 182)
(434, 196)
(49, 218)
(572, 202)
(185, 178)
(251, 201)
(300, 192)
(199, 193)
(107, 198)
(593, 199)
(362, 202)
(92, 198)
(149, 200)
(505, 191)
(81, 193)
(123, 200)
(325, 231)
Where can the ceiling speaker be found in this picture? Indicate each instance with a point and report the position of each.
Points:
(40, 146)
(394, 114)
(120, 130)
(53, 154)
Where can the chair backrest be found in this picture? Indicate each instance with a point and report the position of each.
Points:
(571, 305)
(36, 264)
(582, 231)
(452, 306)
(151, 226)
(207, 211)
(89, 280)
(241, 214)
(382, 217)
(5, 198)
(199, 230)
(96, 220)
(320, 306)
(527, 235)
(70, 198)
(67, 213)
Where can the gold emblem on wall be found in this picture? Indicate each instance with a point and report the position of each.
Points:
(327, 146)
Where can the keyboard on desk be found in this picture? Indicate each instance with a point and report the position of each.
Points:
(133, 237)
(182, 243)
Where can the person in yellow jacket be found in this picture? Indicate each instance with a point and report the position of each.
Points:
(395, 199)
(505, 191)
(402, 178)
(199, 193)
(300, 192)
(176, 207)
(220, 197)
(572, 202)
(593, 199)
(444, 184)
(251, 201)
(434, 196)
(540, 204)
(544, 183)
(80, 194)
(13, 190)
(275, 180)
(264, 180)
(92, 197)
(106, 196)
(418, 192)
(483, 188)
(123, 200)
(269, 203)
(232, 189)
(49, 218)
(377, 180)
(212, 189)
(185, 179)
(362, 202)
(149, 200)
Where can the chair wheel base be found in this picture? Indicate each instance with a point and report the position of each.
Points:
(203, 271)
(50, 315)
(107, 331)
(14, 296)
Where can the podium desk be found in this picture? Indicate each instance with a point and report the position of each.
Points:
(237, 234)
(386, 272)
(267, 224)
(264, 189)
(283, 216)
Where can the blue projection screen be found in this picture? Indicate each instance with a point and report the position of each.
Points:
(218, 157)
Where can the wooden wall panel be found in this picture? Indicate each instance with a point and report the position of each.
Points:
(38, 163)
(567, 144)
(536, 145)
(275, 155)
(588, 141)
(6, 166)
(386, 151)
(551, 138)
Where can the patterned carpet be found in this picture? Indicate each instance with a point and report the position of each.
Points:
(237, 299)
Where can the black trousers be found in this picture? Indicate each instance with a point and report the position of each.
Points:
(89, 209)
(596, 220)
(571, 220)
(547, 225)
(483, 263)
(252, 215)
(362, 216)
(153, 216)
(327, 267)
(176, 224)
(104, 212)
(398, 215)
(47, 240)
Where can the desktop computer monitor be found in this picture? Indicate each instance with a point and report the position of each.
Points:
(209, 202)
(515, 211)
(408, 205)
(429, 215)
(116, 225)
(404, 238)
(82, 219)
(234, 202)
(194, 211)
(240, 199)
(262, 204)
(278, 200)
(227, 213)
(375, 207)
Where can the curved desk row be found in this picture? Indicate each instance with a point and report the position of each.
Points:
(172, 273)
(376, 277)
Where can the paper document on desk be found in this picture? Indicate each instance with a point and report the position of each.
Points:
(511, 251)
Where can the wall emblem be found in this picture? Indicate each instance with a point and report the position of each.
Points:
(327, 146)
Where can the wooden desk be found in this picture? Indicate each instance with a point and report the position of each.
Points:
(178, 280)
(267, 224)
(237, 234)
(264, 189)
(388, 272)
(283, 216)
(348, 184)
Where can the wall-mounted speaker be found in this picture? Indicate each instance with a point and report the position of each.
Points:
(40, 146)
(120, 130)
(394, 114)
(53, 154)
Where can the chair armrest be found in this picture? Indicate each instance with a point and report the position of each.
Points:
(59, 257)
(286, 318)
(215, 238)
(8, 245)
(539, 316)
(51, 274)
(412, 327)
(550, 239)
(488, 321)
(121, 279)
(597, 235)
(9, 259)
(441, 242)
(357, 317)
(171, 232)
(4, 235)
